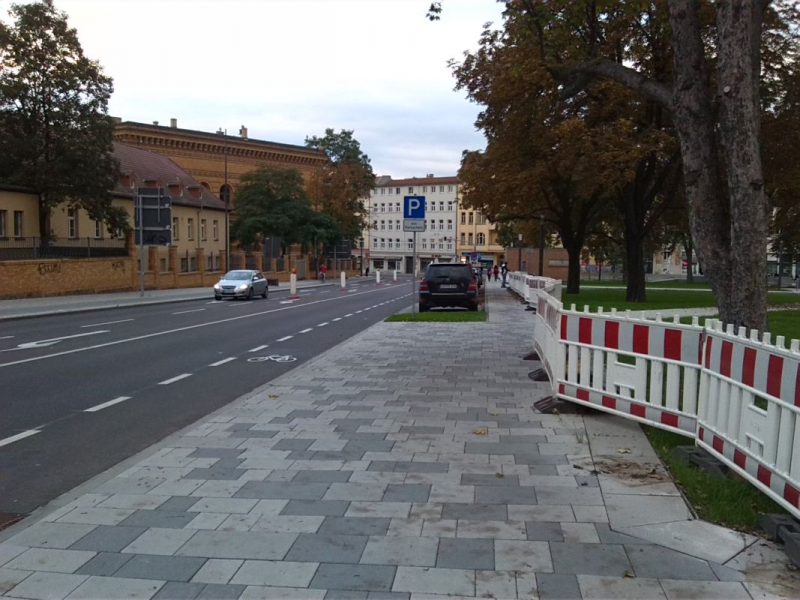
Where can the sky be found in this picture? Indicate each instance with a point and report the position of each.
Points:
(289, 69)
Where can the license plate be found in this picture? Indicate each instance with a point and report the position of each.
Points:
(448, 286)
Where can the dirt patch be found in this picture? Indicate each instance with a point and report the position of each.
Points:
(629, 470)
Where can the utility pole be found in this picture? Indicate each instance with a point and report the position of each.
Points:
(541, 245)
(226, 197)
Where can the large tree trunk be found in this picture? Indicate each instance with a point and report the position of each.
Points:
(573, 268)
(739, 33)
(687, 246)
(634, 261)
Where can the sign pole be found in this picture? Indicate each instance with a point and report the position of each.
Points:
(414, 278)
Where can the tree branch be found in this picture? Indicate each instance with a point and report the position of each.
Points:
(576, 77)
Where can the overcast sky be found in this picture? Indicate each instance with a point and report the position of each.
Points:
(287, 69)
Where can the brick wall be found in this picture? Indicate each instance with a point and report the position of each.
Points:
(53, 277)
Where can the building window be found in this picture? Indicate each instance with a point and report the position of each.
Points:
(397, 225)
(463, 218)
(72, 223)
(469, 239)
(441, 188)
(383, 243)
(449, 243)
(176, 228)
(215, 229)
(375, 207)
(190, 229)
(397, 191)
(410, 243)
(449, 224)
(481, 239)
(450, 205)
(18, 223)
(383, 191)
(441, 205)
(3, 217)
(98, 229)
(390, 244)
(471, 218)
(383, 208)
(383, 225)
(449, 188)
(374, 242)
(424, 243)
(375, 224)
(203, 230)
(411, 189)
(424, 188)
(463, 238)
(390, 225)
(441, 224)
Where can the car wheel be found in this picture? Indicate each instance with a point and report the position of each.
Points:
(423, 308)
(265, 293)
(217, 297)
(250, 294)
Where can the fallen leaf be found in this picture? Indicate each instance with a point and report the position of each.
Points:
(624, 450)
(481, 431)
(273, 396)
(499, 475)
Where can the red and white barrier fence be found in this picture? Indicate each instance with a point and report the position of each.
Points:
(737, 397)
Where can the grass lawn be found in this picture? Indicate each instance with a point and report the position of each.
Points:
(437, 316)
(729, 502)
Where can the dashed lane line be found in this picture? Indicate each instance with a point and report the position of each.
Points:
(284, 338)
(322, 324)
(258, 348)
(18, 437)
(222, 362)
(184, 312)
(107, 404)
(107, 323)
(174, 379)
(307, 330)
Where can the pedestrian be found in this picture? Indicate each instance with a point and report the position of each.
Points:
(366, 271)
(496, 273)
(504, 271)
(323, 271)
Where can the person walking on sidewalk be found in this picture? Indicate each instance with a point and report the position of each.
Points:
(496, 272)
(323, 271)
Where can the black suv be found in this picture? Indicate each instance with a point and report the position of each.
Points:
(448, 284)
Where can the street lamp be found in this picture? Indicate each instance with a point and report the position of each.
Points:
(361, 265)
(519, 251)
(226, 197)
(541, 245)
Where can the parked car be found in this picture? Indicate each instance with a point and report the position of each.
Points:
(242, 283)
(448, 284)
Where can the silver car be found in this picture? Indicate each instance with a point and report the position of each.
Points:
(242, 283)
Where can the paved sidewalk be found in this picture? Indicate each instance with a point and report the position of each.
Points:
(407, 462)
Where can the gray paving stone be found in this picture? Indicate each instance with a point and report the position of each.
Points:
(401, 550)
(167, 568)
(354, 526)
(581, 496)
(421, 429)
(158, 518)
(282, 490)
(106, 538)
(351, 424)
(50, 559)
(255, 433)
(301, 455)
(51, 535)
(461, 553)
(174, 590)
(240, 426)
(281, 420)
(282, 573)
(311, 547)
(530, 458)
(362, 446)
(322, 508)
(475, 512)
(104, 564)
(113, 588)
(354, 577)
(609, 536)
(493, 480)
(544, 531)
(46, 586)
(389, 596)
(216, 474)
(362, 435)
(304, 414)
(422, 467)
(216, 453)
(557, 586)
(590, 559)
(238, 544)
(505, 494)
(345, 595)
(351, 454)
(178, 503)
(426, 580)
(322, 476)
(659, 562)
(293, 444)
(217, 591)
(407, 492)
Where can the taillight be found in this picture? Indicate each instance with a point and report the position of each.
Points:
(423, 286)
(473, 287)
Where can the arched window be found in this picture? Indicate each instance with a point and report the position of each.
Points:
(225, 193)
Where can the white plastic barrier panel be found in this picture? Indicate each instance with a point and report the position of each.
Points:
(293, 285)
(377, 276)
(750, 410)
(395, 275)
(344, 280)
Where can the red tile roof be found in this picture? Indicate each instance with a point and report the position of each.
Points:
(141, 166)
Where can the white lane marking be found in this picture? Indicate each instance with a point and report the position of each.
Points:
(322, 324)
(179, 329)
(6, 337)
(337, 319)
(283, 339)
(174, 379)
(18, 437)
(358, 312)
(222, 362)
(107, 404)
(257, 348)
(307, 330)
(107, 323)
(183, 312)
(51, 341)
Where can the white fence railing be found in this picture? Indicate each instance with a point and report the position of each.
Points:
(737, 397)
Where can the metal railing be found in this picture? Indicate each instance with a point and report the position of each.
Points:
(737, 397)
(34, 248)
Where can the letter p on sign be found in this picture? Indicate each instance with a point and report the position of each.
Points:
(414, 207)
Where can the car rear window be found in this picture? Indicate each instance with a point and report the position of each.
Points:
(449, 272)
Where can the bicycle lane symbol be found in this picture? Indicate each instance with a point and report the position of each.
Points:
(278, 358)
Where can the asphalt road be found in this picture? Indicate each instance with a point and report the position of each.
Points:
(79, 393)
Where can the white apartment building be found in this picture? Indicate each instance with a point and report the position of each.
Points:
(387, 246)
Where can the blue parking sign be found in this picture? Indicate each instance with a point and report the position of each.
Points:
(413, 207)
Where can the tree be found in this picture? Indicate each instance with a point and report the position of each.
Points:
(271, 202)
(713, 97)
(338, 188)
(55, 133)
